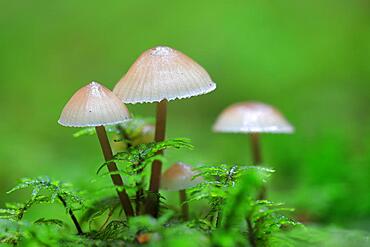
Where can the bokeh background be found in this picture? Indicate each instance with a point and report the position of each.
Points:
(309, 59)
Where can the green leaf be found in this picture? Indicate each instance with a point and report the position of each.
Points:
(99, 207)
(85, 132)
(136, 158)
(50, 222)
(44, 190)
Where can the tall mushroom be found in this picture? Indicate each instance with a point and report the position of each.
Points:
(159, 75)
(94, 105)
(179, 177)
(253, 118)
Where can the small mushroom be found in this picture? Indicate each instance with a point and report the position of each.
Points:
(179, 177)
(159, 75)
(145, 135)
(96, 106)
(253, 118)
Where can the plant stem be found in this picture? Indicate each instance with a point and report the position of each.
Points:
(155, 178)
(184, 205)
(257, 160)
(112, 167)
(139, 197)
(251, 237)
(139, 191)
(218, 218)
(73, 217)
(107, 219)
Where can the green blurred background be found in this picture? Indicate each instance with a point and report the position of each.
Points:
(310, 59)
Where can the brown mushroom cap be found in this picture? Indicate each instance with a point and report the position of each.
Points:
(179, 177)
(163, 73)
(252, 117)
(93, 105)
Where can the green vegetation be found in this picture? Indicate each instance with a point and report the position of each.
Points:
(310, 59)
(230, 190)
(231, 216)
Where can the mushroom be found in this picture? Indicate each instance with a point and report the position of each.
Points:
(96, 106)
(179, 177)
(144, 135)
(252, 118)
(159, 75)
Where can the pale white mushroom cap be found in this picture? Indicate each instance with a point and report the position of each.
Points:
(163, 73)
(252, 117)
(179, 177)
(93, 105)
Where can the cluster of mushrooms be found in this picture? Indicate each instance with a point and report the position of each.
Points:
(162, 74)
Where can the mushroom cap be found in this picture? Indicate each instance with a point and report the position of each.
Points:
(252, 117)
(146, 135)
(93, 105)
(179, 177)
(163, 73)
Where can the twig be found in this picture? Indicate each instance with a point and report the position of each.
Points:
(251, 237)
(73, 217)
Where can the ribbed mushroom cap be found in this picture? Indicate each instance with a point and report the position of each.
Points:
(252, 117)
(163, 73)
(93, 105)
(179, 177)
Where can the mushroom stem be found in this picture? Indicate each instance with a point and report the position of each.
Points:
(184, 205)
(155, 178)
(257, 160)
(160, 132)
(256, 150)
(112, 167)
